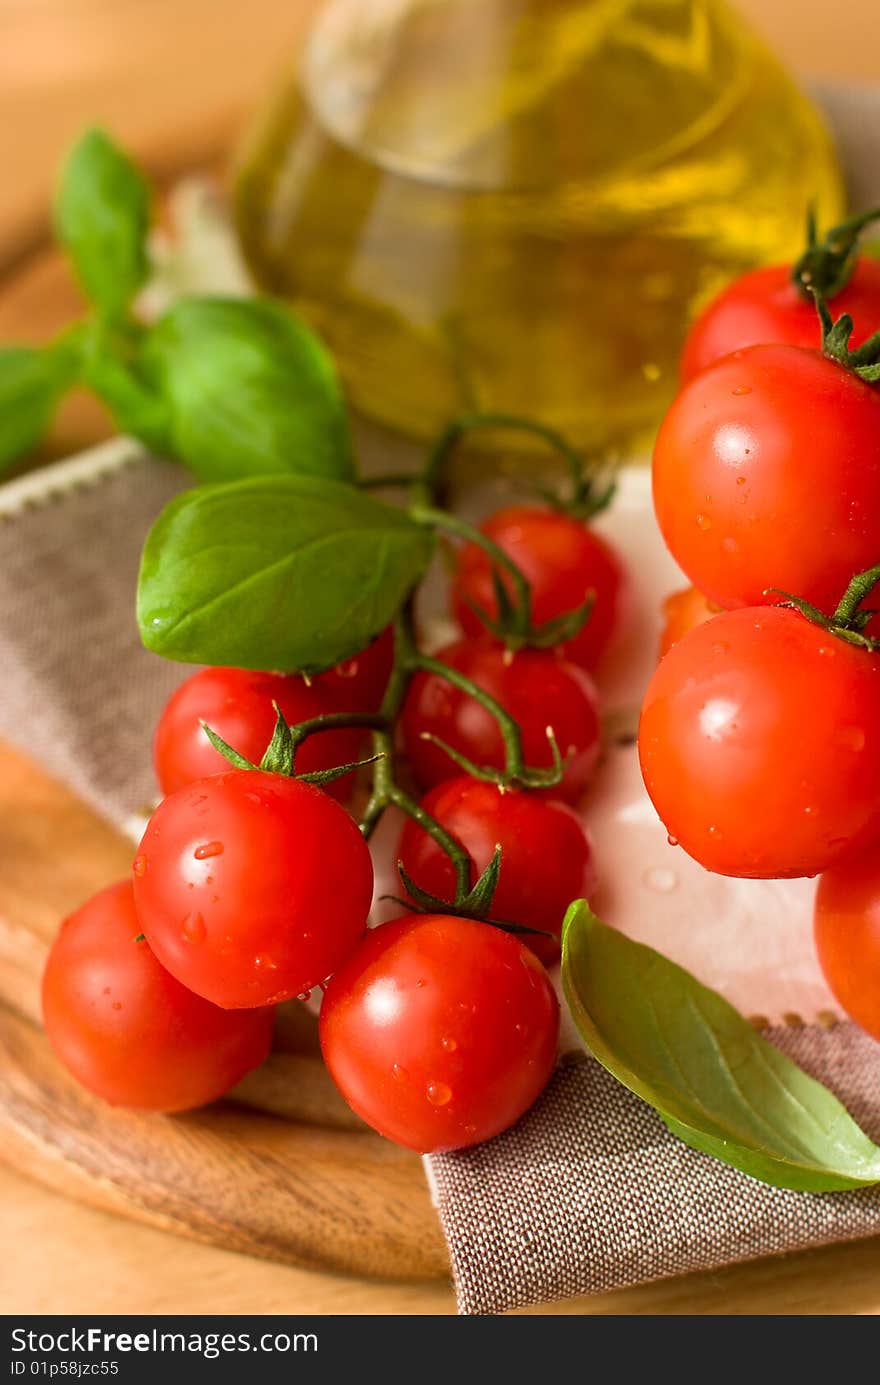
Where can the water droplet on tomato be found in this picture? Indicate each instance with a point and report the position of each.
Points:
(438, 1093)
(420, 983)
(117, 1005)
(202, 853)
(740, 480)
(673, 841)
(139, 865)
(106, 990)
(720, 647)
(851, 738)
(304, 996)
(193, 928)
(660, 879)
(704, 522)
(743, 389)
(267, 963)
(449, 1045)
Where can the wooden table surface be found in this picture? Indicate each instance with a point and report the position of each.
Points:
(174, 79)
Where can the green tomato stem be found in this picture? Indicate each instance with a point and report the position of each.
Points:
(386, 791)
(430, 487)
(520, 622)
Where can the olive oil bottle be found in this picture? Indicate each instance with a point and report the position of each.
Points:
(517, 205)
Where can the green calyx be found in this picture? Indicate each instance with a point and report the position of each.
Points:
(849, 619)
(513, 623)
(475, 905)
(280, 753)
(826, 265)
(864, 361)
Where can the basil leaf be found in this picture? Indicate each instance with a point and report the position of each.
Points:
(717, 1084)
(31, 382)
(102, 215)
(112, 368)
(286, 572)
(249, 390)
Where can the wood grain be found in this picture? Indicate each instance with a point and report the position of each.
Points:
(314, 1188)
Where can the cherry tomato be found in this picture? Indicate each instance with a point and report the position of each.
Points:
(251, 887)
(440, 1032)
(126, 1029)
(358, 684)
(237, 704)
(681, 612)
(546, 856)
(767, 474)
(765, 306)
(847, 928)
(760, 744)
(563, 559)
(539, 689)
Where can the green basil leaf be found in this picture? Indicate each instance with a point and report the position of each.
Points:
(275, 572)
(102, 216)
(717, 1084)
(112, 368)
(249, 389)
(31, 383)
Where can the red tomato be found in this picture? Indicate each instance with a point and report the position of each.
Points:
(765, 306)
(126, 1029)
(563, 560)
(546, 856)
(358, 684)
(847, 926)
(440, 1032)
(237, 704)
(767, 474)
(760, 744)
(681, 612)
(535, 686)
(252, 888)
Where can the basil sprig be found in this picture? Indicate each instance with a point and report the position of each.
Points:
(32, 380)
(276, 572)
(231, 388)
(248, 389)
(715, 1081)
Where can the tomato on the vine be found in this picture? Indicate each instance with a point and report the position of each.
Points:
(251, 887)
(847, 931)
(563, 559)
(535, 686)
(682, 611)
(759, 744)
(130, 1032)
(440, 1032)
(546, 856)
(358, 684)
(237, 704)
(767, 475)
(767, 306)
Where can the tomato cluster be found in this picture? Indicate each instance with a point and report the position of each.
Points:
(252, 885)
(760, 731)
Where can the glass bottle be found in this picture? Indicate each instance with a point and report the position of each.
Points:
(517, 205)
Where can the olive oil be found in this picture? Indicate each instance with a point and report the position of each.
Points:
(517, 205)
